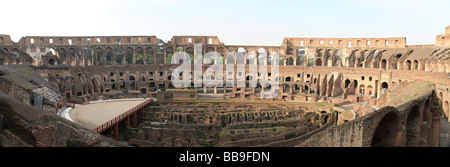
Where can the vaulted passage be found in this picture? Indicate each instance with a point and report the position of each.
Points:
(413, 127)
(388, 132)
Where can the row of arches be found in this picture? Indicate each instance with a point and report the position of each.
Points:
(416, 130)
(15, 56)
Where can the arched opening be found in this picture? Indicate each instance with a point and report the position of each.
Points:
(132, 78)
(51, 61)
(384, 85)
(355, 82)
(119, 56)
(415, 65)
(288, 79)
(250, 59)
(109, 57)
(383, 64)
(143, 90)
(260, 60)
(388, 131)
(290, 61)
(139, 55)
(446, 109)
(280, 61)
(230, 59)
(318, 62)
(347, 82)
(427, 121)
(129, 56)
(249, 78)
(369, 90)
(306, 89)
(300, 60)
(408, 65)
(270, 60)
(99, 56)
(362, 89)
(133, 86)
(325, 119)
(413, 127)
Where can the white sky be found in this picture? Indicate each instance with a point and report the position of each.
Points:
(234, 22)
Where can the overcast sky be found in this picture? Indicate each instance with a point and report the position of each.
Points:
(244, 22)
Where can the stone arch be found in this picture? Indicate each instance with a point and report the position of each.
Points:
(388, 131)
(260, 60)
(318, 62)
(230, 59)
(446, 109)
(383, 64)
(140, 57)
(210, 49)
(190, 50)
(413, 127)
(250, 59)
(280, 61)
(132, 78)
(347, 83)
(128, 55)
(241, 49)
(288, 79)
(384, 85)
(408, 65)
(51, 61)
(300, 59)
(261, 51)
(290, 61)
(369, 90)
(270, 60)
(99, 56)
(415, 65)
(222, 51)
(109, 56)
(362, 89)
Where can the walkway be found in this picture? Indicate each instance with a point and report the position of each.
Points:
(100, 112)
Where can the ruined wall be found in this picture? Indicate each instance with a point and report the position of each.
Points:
(400, 123)
(444, 40)
(24, 125)
(346, 42)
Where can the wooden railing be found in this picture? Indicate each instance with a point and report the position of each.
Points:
(121, 117)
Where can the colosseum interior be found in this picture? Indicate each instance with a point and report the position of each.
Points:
(332, 92)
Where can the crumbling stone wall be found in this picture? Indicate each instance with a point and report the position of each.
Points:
(24, 125)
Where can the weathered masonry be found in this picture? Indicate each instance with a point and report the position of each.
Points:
(379, 91)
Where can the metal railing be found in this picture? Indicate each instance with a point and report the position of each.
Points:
(112, 122)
